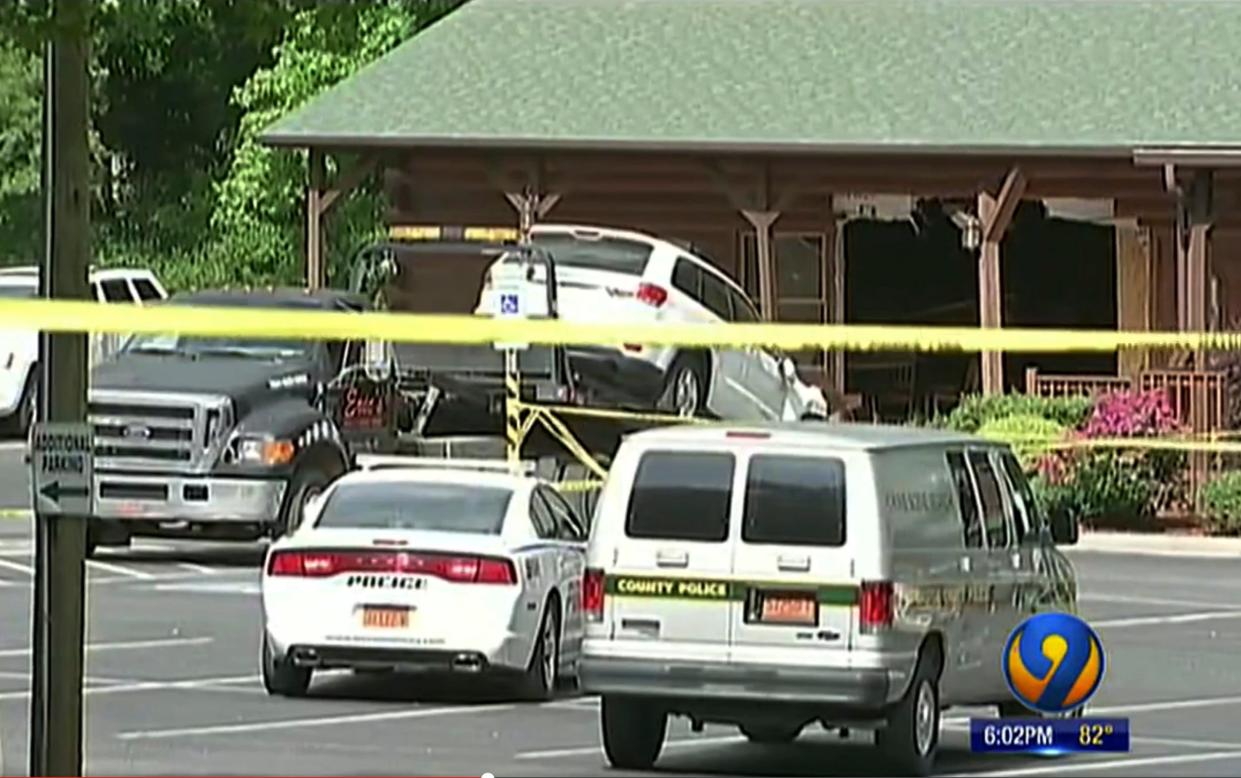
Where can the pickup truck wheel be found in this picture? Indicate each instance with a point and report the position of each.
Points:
(911, 738)
(280, 676)
(308, 482)
(633, 732)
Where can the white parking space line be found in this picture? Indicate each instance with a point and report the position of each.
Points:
(26, 569)
(236, 587)
(200, 684)
(559, 753)
(195, 568)
(1180, 618)
(1108, 764)
(1145, 707)
(115, 569)
(124, 644)
(1127, 599)
(325, 721)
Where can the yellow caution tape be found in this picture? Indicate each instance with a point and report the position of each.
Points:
(578, 486)
(429, 232)
(300, 324)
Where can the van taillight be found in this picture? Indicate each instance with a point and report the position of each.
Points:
(592, 594)
(652, 294)
(876, 605)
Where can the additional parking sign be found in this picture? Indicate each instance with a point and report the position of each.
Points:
(62, 466)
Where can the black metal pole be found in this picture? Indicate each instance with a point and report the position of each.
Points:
(60, 542)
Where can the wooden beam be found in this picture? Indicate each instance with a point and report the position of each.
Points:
(996, 224)
(990, 295)
(347, 181)
(1133, 293)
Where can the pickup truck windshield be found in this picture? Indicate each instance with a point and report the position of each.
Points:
(200, 346)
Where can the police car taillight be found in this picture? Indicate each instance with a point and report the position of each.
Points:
(592, 594)
(457, 568)
(875, 605)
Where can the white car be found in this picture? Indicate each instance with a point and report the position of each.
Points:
(427, 564)
(606, 275)
(19, 349)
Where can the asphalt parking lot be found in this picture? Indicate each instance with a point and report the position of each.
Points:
(172, 685)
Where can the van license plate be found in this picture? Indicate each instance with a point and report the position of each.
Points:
(385, 618)
(793, 608)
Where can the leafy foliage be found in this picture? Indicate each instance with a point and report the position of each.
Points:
(21, 128)
(1027, 433)
(976, 410)
(1221, 500)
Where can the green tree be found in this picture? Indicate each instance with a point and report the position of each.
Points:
(259, 214)
(21, 133)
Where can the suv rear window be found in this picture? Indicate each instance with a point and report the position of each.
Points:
(795, 500)
(681, 496)
(611, 254)
(437, 507)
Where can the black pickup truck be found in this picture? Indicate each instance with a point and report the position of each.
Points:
(229, 438)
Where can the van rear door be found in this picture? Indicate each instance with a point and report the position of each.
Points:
(668, 584)
(795, 600)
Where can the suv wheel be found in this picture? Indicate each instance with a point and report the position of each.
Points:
(911, 738)
(685, 388)
(633, 732)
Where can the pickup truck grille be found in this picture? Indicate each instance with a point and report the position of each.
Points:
(156, 431)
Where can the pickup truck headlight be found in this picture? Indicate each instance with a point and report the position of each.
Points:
(263, 451)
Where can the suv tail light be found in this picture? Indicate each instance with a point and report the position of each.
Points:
(875, 610)
(652, 295)
(592, 594)
(457, 568)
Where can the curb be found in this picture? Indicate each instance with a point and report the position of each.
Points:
(1158, 544)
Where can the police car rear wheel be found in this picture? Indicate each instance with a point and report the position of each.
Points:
(633, 732)
(540, 679)
(282, 677)
(911, 738)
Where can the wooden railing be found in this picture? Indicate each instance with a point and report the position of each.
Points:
(1199, 398)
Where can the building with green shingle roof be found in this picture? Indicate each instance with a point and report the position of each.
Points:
(733, 122)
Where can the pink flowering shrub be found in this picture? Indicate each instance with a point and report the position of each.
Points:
(1114, 484)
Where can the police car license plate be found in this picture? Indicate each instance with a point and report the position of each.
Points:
(793, 608)
(385, 618)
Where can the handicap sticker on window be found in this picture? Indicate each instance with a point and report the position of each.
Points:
(510, 304)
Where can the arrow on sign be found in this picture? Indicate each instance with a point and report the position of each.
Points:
(54, 491)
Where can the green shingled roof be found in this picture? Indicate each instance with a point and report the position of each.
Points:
(1089, 75)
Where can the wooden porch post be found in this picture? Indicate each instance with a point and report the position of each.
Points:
(1133, 292)
(995, 214)
(762, 221)
(314, 219)
(837, 291)
(1195, 218)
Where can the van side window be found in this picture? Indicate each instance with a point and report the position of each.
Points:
(993, 516)
(968, 505)
(681, 495)
(1027, 521)
(796, 501)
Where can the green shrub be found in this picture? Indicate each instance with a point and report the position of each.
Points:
(976, 410)
(1221, 503)
(1025, 433)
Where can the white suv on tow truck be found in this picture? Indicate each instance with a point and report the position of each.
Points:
(606, 275)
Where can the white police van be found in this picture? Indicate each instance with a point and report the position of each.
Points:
(860, 576)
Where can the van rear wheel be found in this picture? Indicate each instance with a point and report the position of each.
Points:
(911, 738)
(771, 733)
(633, 732)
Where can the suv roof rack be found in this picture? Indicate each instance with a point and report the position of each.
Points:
(399, 462)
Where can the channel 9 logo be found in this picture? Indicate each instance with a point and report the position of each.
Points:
(1053, 663)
